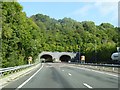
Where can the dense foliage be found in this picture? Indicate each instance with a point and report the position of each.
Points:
(23, 37)
(97, 43)
(20, 35)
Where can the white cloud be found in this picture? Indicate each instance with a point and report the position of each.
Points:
(106, 8)
(83, 10)
(99, 10)
(103, 8)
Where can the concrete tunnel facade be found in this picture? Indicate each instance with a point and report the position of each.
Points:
(57, 56)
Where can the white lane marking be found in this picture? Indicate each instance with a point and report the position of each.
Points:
(49, 66)
(88, 86)
(63, 70)
(28, 79)
(95, 71)
(105, 73)
(69, 74)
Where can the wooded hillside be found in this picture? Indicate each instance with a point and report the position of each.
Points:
(23, 37)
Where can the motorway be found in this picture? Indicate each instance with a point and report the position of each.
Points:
(61, 75)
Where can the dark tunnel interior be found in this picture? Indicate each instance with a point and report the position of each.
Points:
(65, 58)
(48, 58)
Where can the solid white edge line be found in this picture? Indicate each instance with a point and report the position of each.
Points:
(87, 85)
(95, 71)
(28, 79)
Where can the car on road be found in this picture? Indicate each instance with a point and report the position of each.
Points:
(42, 60)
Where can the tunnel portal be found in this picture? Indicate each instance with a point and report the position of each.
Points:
(65, 58)
(47, 57)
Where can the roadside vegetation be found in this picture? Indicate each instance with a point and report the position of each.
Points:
(23, 37)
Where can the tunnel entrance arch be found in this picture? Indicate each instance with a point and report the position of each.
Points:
(65, 58)
(47, 57)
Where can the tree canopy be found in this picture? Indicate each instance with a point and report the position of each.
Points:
(19, 35)
(22, 37)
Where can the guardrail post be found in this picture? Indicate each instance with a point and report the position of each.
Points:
(113, 69)
(103, 68)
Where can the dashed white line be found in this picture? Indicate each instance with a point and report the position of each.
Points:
(63, 70)
(28, 79)
(69, 74)
(88, 86)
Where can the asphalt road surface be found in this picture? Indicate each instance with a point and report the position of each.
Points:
(60, 75)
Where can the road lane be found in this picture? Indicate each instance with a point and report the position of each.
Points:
(48, 77)
(19, 80)
(30, 78)
(59, 75)
(97, 80)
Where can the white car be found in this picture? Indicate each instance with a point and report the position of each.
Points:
(42, 60)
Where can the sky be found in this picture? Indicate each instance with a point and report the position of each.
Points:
(98, 12)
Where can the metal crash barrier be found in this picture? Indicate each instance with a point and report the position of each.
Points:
(5, 71)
